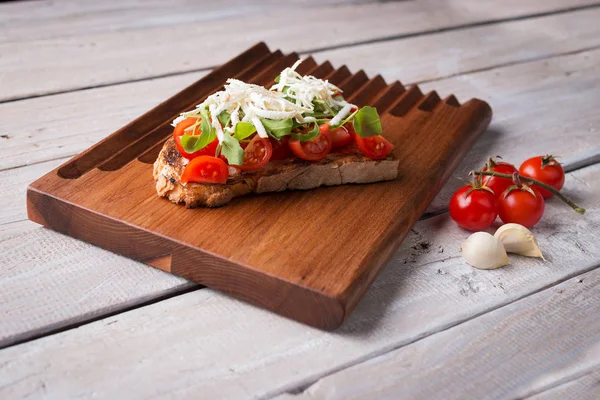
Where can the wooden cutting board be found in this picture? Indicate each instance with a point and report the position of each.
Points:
(307, 255)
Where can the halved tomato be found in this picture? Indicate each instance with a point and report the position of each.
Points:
(256, 154)
(312, 150)
(339, 137)
(281, 148)
(374, 147)
(180, 131)
(205, 169)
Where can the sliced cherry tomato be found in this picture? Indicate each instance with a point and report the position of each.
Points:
(544, 169)
(473, 207)
(205, 169)
(374, 147)
(312, 150)
(281, 148)
(339, 137)
(523, 206)
(256, 154)
(498, 185)
(179, 131)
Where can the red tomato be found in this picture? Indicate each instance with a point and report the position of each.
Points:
(205, 169)
(180, 130)
(339, 137)
(313, 150)
(474, 208)
(523, 206)
(281, 148)
(498, 185)
(374, 147)
(544, 169)
(256, 154)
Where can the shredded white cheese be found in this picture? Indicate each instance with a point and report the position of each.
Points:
(304, 90)
(293, 96)
(343, 113)
(254, 101)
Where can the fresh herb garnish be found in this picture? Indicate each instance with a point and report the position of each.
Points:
(305, 137)
(367, 122)
(193, 143)
(231, 149)
(224, 118)
(278, 128)
(243, 130)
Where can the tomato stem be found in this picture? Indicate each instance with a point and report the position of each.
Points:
(525, 179)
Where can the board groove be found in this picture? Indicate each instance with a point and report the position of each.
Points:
(308, 255)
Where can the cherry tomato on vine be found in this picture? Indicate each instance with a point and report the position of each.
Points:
(544, 169)
(521, 204)
(474, 207)
(498, 185)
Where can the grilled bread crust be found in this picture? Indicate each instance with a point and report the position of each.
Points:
(347, 166)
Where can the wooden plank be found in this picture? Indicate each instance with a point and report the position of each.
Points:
(42, 20)
(506, 354)
(55, 64)
(13, 186)
(68, 123)
(205, 341)
(586, 387)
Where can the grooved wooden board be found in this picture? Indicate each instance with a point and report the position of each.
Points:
(306, 255)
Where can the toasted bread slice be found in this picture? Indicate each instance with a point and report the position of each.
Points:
(338, 168)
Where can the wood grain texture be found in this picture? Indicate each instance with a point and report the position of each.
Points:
(43, 20)
(318, 282)
(228, 349)
(560, 81)
(586, 387)
(506, 354)
(56, 62)
(69, 123)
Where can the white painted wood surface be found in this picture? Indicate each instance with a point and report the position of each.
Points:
(586, 387)
(506, 96)
(204, 342)
(66, 124)
(508, 353)
(52, 63)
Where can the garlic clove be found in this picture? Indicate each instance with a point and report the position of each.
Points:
(484, 251)
(519, 240)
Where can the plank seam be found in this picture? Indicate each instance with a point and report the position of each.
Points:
(49, 331)
(507, 64)
(563, 381)
(328, 48)
(300, 389)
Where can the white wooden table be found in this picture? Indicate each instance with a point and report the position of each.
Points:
(80, 322)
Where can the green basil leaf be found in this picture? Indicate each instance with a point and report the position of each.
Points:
(367, 122)
(231, 149)
(193, 143)
(224, 118)
(277, 79)
(243, 130)
(305, 137)
(278, 128)
(205, 125)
